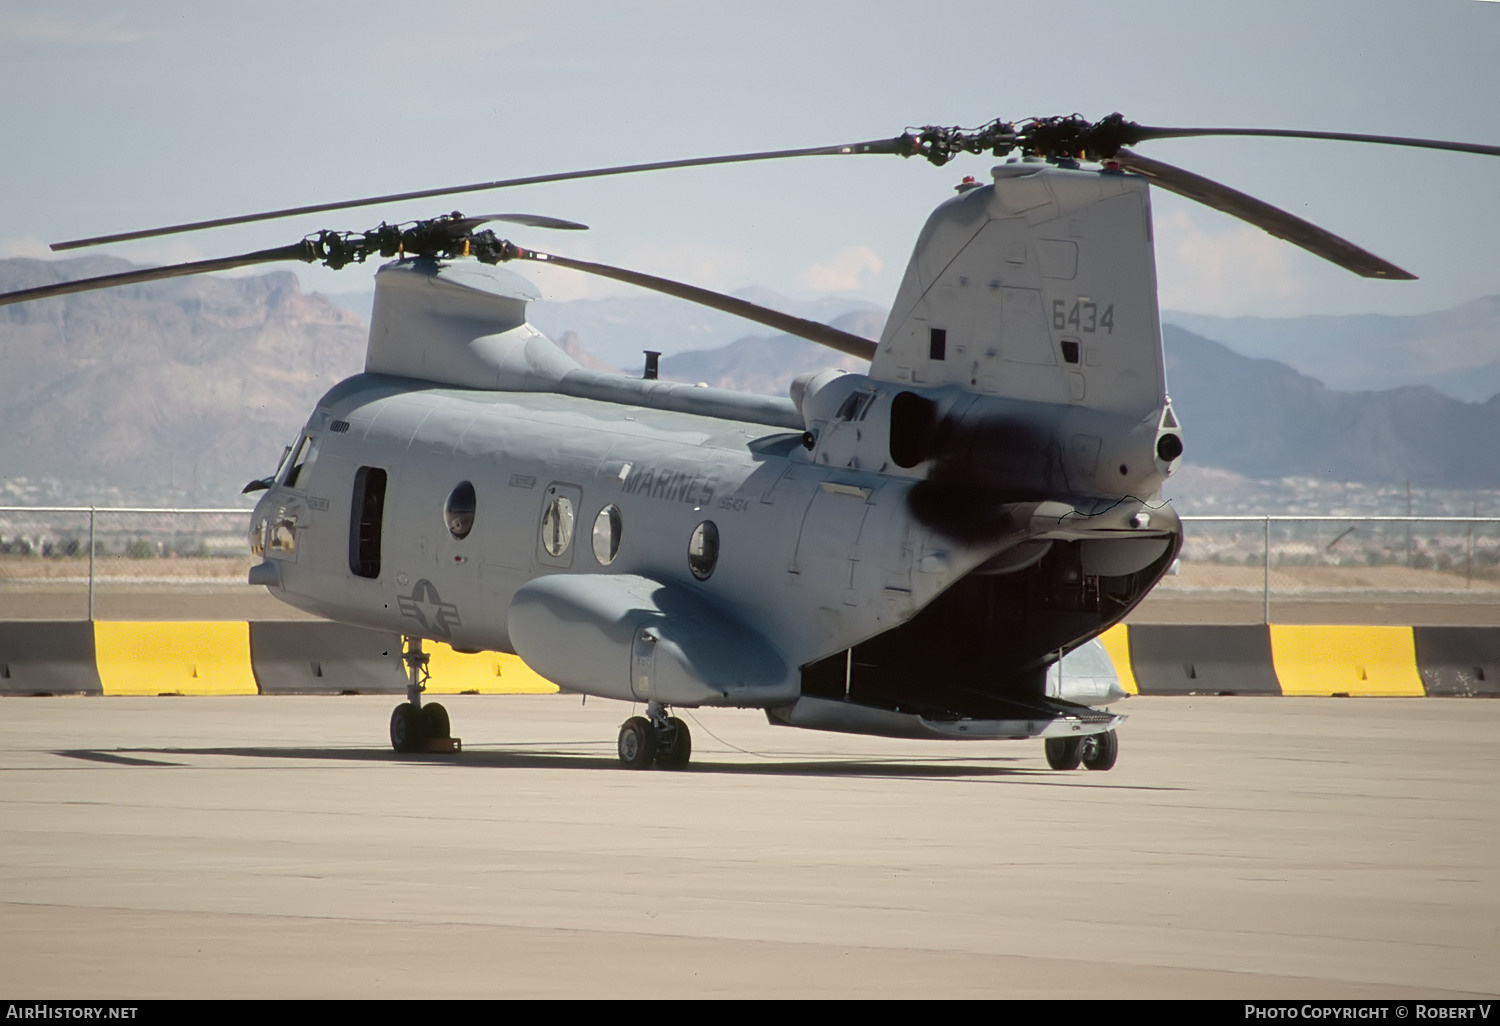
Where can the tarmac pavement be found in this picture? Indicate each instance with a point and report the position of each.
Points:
(275, 847)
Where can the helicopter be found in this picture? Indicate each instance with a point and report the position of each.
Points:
(929, 549)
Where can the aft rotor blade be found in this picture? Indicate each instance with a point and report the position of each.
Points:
(1278, 222)
(813, 331)
(874, 146)
(534, 221)
(1142, 133)
(299, 251)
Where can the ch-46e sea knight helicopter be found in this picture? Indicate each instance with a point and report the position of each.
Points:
(903, 552)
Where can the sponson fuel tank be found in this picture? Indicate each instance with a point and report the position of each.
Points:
(683, 649)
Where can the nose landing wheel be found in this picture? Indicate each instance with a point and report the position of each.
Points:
(416, 727)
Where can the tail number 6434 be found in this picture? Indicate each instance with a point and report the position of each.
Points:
(1084, 315)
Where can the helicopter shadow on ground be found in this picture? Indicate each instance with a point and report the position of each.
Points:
(553, 756)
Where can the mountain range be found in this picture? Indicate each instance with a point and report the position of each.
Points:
(175, 391)
(183, 390)
(1456, 351)
(1262, 419)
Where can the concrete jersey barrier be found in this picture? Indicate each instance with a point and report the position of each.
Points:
(236, 657)
(45, 657)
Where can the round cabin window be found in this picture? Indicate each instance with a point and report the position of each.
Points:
(557, 525)
(703, 550)
(458, 511)
(607, 535)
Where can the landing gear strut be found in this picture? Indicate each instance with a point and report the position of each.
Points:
(1094, 751)
(655, 737)
(416, 727)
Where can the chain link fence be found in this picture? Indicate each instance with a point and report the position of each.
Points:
(1351, 559)
(77, 562)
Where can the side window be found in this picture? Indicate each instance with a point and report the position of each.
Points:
(855, 406)
(557, 523)
(458, 511)
(703, 550)
(367, 511)
(607, 535)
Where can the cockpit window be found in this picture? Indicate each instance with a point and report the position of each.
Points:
(458, 511)
(304, 453)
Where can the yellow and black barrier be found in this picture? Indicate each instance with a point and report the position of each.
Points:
(119, 657)
(310, 657)
(1286, 659)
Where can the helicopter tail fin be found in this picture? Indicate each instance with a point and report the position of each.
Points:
(1041, 288)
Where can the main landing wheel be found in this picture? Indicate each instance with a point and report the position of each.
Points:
(1064, 753)
(637, 742)
(1100, 750)
(409, 728)
(674, 745)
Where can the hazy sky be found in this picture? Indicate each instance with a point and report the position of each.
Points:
(124, 116)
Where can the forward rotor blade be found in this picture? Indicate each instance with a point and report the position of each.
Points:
(1141, 133)
(875, 146)
(299, 251)
(813, 331)
(1278, 222)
